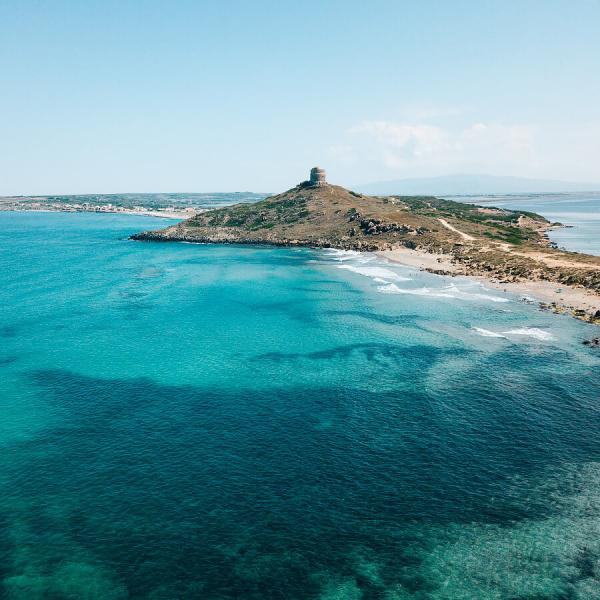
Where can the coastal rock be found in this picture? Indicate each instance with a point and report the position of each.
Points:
(372, 226)
(440, 272)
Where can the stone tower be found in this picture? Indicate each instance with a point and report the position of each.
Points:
(317, 176)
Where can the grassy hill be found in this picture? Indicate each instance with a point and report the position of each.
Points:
(331, 216)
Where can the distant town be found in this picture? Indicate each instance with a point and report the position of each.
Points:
(175, 206)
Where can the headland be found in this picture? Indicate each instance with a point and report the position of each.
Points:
(510, 249)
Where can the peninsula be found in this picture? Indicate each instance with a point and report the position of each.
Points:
(509, 248)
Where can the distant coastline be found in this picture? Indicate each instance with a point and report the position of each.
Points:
(142, 212)
(163, 205)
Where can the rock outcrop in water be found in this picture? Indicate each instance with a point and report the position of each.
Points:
(502, 244)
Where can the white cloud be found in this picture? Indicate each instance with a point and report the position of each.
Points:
(419, 147)
(387, 149)
(518, 138)
(417, 138)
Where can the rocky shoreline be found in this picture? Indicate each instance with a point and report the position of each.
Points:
(154, 236)
(503, 247)
(578, 302)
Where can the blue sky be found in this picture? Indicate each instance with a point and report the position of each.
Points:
(143, 96)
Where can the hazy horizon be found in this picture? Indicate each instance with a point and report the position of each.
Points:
(480, 184)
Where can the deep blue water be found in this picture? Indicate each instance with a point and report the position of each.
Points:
(190, 421)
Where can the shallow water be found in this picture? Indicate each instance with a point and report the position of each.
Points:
(189, 421)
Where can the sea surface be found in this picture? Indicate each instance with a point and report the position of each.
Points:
(217, 422)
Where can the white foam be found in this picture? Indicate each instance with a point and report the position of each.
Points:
(392, 288)
(488, 333)
(491, 298)
(379, 273)
(450, 291)
(533, 332)
(344, 255)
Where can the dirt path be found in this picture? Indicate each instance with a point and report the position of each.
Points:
(463, 235)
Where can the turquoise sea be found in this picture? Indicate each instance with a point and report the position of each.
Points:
(217, 422)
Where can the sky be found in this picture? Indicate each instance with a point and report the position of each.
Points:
(193, 96)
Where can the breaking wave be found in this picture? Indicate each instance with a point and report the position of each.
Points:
(344, 255)
(450, 291)
(488, 333)
(381, 274)
(534, 332)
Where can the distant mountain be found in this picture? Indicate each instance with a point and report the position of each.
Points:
(472, 185)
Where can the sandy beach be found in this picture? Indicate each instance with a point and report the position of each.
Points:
(574, 300)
